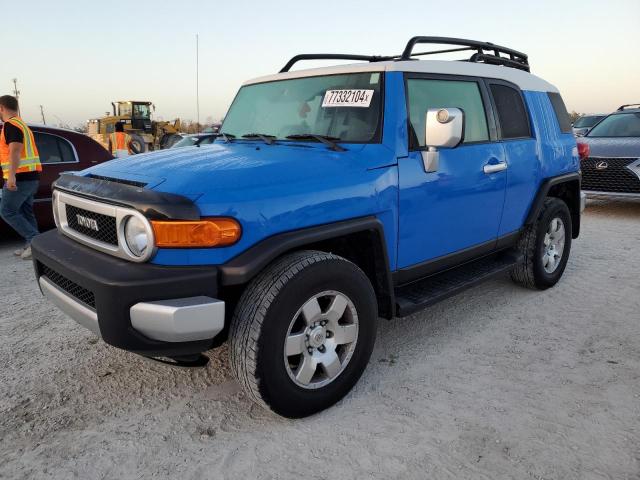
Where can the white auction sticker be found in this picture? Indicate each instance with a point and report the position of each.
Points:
(347, 98)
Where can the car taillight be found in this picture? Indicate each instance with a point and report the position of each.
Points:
(583, 150)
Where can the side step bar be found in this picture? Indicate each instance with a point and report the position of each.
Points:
(428, 291)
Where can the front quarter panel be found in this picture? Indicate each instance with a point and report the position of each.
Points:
(307, 186)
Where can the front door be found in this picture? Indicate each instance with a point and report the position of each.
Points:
(458, 207)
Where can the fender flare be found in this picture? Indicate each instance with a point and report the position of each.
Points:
(543, 191)
(245, 266)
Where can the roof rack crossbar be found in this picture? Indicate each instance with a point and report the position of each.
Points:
(515, 58)
(627, 105)
(332, 56)
(447, 50)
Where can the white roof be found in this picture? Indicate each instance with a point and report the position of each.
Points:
(524, 80)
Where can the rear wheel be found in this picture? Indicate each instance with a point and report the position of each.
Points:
(303, 333)
(545, 246)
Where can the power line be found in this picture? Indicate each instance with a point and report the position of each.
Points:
(16, 93)
(197, 85)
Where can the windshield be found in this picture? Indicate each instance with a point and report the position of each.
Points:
(342, 106)
(588, 121)
(194, 140)
(618, 125)
(185, 142)
(141, 110)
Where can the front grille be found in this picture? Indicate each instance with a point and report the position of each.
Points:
(616, 177)
(80, 293)
(104, 228)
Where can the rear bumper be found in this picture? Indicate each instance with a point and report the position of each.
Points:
(148, 309)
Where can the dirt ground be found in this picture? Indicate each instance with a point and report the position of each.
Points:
(500, 382)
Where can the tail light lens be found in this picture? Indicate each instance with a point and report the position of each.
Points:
(583, 150)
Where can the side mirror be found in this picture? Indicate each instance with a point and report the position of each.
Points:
(443, 128)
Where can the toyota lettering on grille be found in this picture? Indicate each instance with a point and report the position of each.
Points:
(87, 222)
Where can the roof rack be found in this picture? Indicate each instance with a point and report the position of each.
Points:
(515, 59)
(485, 52)
(628, 105)
(333, 56)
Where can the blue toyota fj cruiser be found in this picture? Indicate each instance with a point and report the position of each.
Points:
(333, 196)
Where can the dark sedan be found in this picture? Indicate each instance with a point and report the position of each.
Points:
(60, 151)
(610, 155)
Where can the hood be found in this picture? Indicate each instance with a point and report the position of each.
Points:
(612, 146)
(238, 166)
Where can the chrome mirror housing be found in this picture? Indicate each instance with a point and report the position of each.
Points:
(444, 128)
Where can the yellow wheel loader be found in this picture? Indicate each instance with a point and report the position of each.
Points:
(146, 134)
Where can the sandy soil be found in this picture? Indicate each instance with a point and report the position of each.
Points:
(500, 382)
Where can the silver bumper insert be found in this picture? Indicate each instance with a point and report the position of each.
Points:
(82, 314)
(623, 195)
(583, 201)
(179, 320)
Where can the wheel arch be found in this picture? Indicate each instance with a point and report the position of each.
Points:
(565, 187)
(360, 241)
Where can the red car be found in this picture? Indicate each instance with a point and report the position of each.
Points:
(60, 150)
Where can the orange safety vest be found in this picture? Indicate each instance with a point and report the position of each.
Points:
(120, 141)
(29, 157)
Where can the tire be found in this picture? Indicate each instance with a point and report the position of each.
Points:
(270, 319)
(137, 143)
(539, 271)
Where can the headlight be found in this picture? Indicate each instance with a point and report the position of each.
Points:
(136, 236)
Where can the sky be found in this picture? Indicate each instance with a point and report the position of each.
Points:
(75, 57)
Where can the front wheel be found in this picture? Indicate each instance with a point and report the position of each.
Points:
(303, 333)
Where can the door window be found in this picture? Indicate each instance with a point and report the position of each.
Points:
(465, 95)
(53, 149)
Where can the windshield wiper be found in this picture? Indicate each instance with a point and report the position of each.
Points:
(328, 140)
(227, 136)
(268, 139)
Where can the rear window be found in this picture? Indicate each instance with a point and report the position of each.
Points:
(512, 114)
(561, 112)
(587, 121)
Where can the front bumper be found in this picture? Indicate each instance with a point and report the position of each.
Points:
(147, 309)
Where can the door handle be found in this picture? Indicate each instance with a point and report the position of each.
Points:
(494, 167)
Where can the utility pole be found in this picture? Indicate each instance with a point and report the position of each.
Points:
(44, 122)
(197, 86)
(16, 93)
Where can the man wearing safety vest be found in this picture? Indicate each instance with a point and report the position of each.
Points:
(120, 142)
(21, 173)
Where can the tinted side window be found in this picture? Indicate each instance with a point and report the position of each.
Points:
(53, 149)
(425, 94)
(512, 114)
(561, 112)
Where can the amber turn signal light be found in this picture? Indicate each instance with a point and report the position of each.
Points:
(211, 232)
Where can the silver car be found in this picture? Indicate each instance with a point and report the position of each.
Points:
(610, 155)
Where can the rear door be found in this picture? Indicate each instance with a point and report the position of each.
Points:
(515, 134)
(458, 207)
